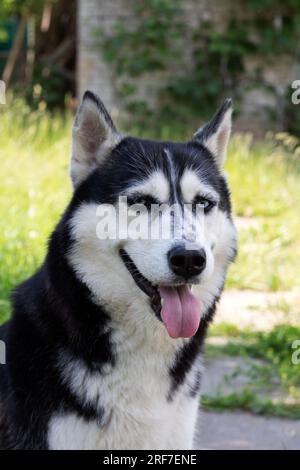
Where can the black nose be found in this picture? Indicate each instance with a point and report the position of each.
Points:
(186, 263)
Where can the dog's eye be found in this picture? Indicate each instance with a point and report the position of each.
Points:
(205, 203)
(142, 199)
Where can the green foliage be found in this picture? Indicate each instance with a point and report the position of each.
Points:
(246, 400)
(275, 5)
(48, 91)
(217, 65)
(151, 44)
(274, 347)
(21, 7)
(159, 34)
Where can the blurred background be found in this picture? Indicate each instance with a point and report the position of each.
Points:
(162, 67)
(157, 58)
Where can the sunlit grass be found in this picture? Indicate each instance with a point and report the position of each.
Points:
(35, 188)
(265, 183)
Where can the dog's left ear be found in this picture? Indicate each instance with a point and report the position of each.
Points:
(215, 134)
(94, 137)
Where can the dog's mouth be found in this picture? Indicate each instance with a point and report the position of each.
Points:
(146, 286)
(176, 306)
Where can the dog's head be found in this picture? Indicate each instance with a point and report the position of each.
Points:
(149, 219)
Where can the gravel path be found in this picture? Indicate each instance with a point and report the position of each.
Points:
(245, 431)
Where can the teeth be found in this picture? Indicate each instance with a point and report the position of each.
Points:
(161, 301)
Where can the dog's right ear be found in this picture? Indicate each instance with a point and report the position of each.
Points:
(94, 137)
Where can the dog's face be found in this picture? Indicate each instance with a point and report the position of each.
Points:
(153, 218)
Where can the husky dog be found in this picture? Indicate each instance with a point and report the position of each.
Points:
(103, 350)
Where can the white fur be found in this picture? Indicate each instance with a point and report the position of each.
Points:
(134, 397)
(191, 185)
(156, 185)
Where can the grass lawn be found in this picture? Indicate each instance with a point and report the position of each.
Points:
(35, 188)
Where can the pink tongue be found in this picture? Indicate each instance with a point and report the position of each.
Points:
(180, 311)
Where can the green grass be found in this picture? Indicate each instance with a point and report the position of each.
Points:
(247, 400)
(265, 183)
(274, 347)
(34, 155)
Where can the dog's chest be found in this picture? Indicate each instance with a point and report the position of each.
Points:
(132, 399)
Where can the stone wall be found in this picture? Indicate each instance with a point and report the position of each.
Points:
(92, 71)
(95, 74)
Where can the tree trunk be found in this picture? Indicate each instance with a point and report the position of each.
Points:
(14, 52)
(30, 56)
